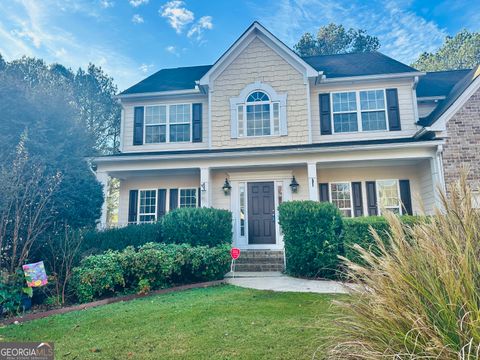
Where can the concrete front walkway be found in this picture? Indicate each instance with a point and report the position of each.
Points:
(277, 281)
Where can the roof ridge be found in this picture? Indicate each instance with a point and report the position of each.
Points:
(445, 71)
(346, 53)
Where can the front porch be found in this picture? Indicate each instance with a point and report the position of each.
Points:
(359, 184)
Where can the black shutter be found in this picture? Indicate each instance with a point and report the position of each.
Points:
(372, 198)
(199, 195)
(161, 203)
(197, 122)
(132, 206)
(406, 197)
(357, 199)
(393, 111)
(324, 196)
(138, 125)
(325, 120)
(173, 199)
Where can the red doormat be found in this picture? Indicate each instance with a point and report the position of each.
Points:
(39, 315)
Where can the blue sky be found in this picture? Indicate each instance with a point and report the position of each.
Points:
(131, 39)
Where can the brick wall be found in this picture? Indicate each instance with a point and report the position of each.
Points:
(462, 146)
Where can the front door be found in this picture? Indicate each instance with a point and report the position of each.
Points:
(261, 213)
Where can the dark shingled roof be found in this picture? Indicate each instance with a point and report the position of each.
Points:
(181, 78)
(333, 66)
(439, 83)
(456, 91)
(357, 64)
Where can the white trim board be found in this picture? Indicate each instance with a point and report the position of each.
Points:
(256, 30)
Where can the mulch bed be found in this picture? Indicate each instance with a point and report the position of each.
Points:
(40, 315)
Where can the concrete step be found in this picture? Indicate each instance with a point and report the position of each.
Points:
(258, 267)
(260, 260)
(254, 274)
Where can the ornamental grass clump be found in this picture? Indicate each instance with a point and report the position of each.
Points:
(419, 296)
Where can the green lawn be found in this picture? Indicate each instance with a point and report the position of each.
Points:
(220, 322)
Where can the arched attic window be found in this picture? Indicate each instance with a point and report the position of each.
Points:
(258, 111)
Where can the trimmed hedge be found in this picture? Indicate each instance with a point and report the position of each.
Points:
(152, 266)
(194, 226)
(311, 233)
(357, 231)
(197, 226)
(96, 242)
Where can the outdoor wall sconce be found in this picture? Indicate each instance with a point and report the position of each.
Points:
(294, 185)
(226, 187)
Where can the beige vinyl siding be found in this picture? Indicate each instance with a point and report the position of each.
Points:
(170, 181)
(425, 108)
(373, 173)
(427, 188)
(259, 63)
(128, 124)
(406, 103)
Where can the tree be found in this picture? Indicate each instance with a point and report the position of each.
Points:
(41, 102)
(25, 206)
(459, 52)
(335, 39)
(99, 110)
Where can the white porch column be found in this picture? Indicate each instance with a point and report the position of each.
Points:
(312, 181)
(102, 178)
(205, 183)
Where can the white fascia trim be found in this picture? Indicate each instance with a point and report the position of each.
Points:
(372, 77)
(441, 123)
(159, 93)
(420, 144)
(257, 30)
(430, 98)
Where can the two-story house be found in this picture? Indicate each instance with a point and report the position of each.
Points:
(262, 125)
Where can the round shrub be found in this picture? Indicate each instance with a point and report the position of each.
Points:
(197, 226)
(311, 233)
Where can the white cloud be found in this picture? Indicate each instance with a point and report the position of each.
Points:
(204, 23)
(177, 14)
(172, 50)
(137, 19)
(137, 3)
(106, 4)
(28, 28)
(402, 33)
(144, 68)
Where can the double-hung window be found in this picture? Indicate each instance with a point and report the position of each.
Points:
(388, 195)
(155, 124)
(168, 123)
(372, 104)
(345, 112)
(341, 195)
(147, 209)
(362, 110)
(188, 198)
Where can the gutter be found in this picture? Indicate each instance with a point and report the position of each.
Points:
(261, 152)
(135, 96)
(373, 77)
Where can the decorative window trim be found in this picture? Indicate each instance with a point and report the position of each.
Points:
(139, 214)
(358, 111)
(238, 111)
(349, 190)
(180, 197)
(167, 123)
(399, 205)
